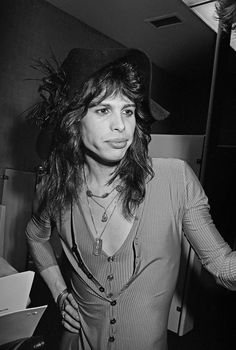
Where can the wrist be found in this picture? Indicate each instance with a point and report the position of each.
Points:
(59, 287)
(61, 298)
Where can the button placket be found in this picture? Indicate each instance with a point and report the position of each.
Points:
(112, 321)
(113, 303)
(113, 318)
(111, 258)
(110, 277)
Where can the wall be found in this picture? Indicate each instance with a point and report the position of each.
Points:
(30, 29)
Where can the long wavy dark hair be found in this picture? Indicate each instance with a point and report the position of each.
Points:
(64, 167)
(226, 11)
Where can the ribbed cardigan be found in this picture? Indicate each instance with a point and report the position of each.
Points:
(124, 300)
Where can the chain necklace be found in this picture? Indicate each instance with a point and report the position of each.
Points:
(104, 217)
(97, 245)
(89, 194)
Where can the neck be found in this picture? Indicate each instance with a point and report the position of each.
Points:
(98, 175)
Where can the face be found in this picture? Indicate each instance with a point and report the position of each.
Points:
(108, 127)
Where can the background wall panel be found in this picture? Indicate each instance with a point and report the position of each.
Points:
(30, 29)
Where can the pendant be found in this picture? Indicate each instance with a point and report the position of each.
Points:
(104, 217)
(97, 247)
(89, 193)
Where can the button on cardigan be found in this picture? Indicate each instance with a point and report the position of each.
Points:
(125, 305)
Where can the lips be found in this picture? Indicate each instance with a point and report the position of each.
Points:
(118, 143)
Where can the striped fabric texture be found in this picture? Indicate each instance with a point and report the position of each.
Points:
(124, 299)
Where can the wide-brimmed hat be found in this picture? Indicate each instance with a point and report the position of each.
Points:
(83, 63)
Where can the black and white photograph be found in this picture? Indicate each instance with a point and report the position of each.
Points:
(117, 174)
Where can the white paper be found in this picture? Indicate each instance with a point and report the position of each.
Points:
(17, 321)
(20, 324)
(14, 291)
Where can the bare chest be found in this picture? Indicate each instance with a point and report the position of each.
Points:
(113, 231)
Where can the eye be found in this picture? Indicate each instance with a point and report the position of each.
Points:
(102, 111)
(129, 112)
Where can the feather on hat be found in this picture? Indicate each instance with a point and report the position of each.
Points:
(62, 82)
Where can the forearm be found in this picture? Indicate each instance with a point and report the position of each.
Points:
(227, 275)
(215, 254)
(54, 280)
(46, 263)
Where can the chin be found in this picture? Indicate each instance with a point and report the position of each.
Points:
(115, 157)
(104, 159)
(113, 160)
(110, 157)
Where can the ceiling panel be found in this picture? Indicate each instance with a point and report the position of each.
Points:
(183, 49)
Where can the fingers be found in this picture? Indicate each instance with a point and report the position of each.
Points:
(70, 314)
(72, 301)
(71, 311)
(69, 323)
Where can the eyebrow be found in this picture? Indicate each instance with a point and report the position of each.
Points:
(109, 105)
(130, 105)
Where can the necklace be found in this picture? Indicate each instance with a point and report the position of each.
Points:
(89, 194)
(104, 217)
(97, 245)
(104, 195)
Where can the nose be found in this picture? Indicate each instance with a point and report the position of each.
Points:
(117, 121)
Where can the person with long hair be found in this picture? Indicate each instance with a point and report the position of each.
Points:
(119, 215)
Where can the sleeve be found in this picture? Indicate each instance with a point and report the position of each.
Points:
(215, 254)
(38, 233)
